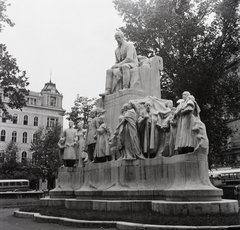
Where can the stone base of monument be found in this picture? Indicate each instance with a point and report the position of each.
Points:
(178, 184)
(161, 207)
(195, 208)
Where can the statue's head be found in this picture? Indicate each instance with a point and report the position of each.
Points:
(185, 95)
(101, 119)
(93, 113)
(79, 125)
(70, 124)
(148, 104)
(119, 36)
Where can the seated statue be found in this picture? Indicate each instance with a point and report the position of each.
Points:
(126, 59)
(132, 71)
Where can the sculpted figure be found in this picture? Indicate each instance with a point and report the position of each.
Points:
(69, 154)
(80, 144)
(170, 129)
(91, 132)
(114, 141)
(61, 145)
(187, 113)
(149, 132)
(126, 59)
(128, 134)
(102, 149)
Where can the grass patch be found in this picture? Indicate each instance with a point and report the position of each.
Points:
(142, 217)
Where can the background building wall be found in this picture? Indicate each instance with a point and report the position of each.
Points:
(43, 109)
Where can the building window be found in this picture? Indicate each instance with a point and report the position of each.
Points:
(53, 101)
(15, 119)
(34, 138)
(24, 137)
(35, 121)
(3, 135)
(52, 121)
(24, 157)
(25, 120)
(31, 101)
(14, 136)
(4, 118)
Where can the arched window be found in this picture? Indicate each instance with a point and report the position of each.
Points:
(15, 119)
(14, 136)
(34, 137)
(25, 120)
(35, 121)
(3, 135)
(24, 137)
(24, 157)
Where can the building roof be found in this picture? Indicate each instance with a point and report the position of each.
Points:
(50, 87)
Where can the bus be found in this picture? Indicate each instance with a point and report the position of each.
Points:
(14, 185)
(225, 176)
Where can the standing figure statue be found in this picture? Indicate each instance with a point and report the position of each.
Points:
(62, 146)
(80, 144)
(169, 127)
(91, 132)
(126, 59)
(149, 131)
(128, 134)
(187, 113)
(69, 153)
(102, 149)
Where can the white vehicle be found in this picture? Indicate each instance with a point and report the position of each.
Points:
(14, 185)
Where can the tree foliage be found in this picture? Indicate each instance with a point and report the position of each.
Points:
(45, 151)
(12, 168)
(195, 52)
(81, 109)
(13, 81)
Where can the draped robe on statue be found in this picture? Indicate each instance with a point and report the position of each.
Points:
(102, 148)
(128, 135)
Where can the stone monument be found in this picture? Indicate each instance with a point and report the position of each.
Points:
(161, 163)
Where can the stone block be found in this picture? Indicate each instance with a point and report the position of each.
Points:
(195, 208)
(79, 204)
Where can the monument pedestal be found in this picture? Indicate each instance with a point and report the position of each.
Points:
(177, 178)
(169, 185)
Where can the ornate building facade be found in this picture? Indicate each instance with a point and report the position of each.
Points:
(44, 109)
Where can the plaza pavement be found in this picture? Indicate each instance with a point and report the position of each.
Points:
(9, 222)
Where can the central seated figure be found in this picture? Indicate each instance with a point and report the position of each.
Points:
(132, 71)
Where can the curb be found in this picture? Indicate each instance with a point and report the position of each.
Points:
(109, 224)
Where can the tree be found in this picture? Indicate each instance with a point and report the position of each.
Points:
(12, 168)
(13, 81)
(195, 53)
(46, 151)
(81, 109)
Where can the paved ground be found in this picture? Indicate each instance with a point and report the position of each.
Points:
(9, 222)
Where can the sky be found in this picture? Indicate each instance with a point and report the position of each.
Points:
(70, 42)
